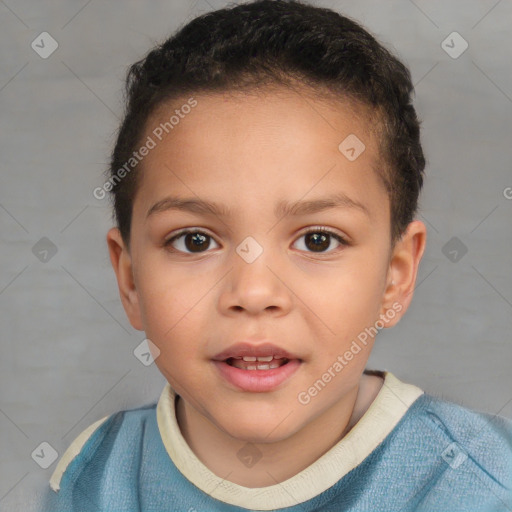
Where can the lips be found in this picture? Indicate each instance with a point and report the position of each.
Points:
(257, 380)
(254, 350)
(256, 366)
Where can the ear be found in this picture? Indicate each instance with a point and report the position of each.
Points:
(122, 264)
(402, 272)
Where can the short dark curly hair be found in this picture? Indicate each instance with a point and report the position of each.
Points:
(278, 42)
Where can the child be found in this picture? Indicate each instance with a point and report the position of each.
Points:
(265, 181)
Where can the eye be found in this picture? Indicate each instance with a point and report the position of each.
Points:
(319, 239)
(194, 241)
(191, 241)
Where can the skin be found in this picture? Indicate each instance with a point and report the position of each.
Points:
(247, 152)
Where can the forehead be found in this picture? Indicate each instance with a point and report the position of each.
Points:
(277, 142)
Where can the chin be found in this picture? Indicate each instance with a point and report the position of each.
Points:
(257, 431)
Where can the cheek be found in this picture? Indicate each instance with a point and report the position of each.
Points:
(365, 275)
(173, 314)
(165, 297)
(351, 289)
(350, 303)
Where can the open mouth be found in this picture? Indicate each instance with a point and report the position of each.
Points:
(257, 363)
(257, 374)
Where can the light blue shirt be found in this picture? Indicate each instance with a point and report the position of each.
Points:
(410, 451)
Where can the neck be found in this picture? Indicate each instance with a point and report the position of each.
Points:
(280, 460)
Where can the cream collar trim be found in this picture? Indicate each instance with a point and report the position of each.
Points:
(392, 402)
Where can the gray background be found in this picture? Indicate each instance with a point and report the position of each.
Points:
(66, 347)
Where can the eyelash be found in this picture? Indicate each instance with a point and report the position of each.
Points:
(184, 232)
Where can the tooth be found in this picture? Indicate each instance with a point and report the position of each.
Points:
(249, 358)
(266, 359)
(267, 365)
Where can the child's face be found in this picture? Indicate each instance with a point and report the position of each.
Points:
(249, 154)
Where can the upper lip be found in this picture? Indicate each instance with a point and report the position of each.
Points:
(255, 350)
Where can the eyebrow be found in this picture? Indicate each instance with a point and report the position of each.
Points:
(283, 208)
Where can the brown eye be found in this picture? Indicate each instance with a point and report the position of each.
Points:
(190, 242)
(317, 242)
(320, 239)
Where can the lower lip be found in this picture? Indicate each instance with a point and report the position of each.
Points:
(257, 381)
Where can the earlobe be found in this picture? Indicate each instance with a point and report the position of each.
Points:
(403, 270)
(122, 264)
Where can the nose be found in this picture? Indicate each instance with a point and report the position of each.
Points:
(255, 287)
